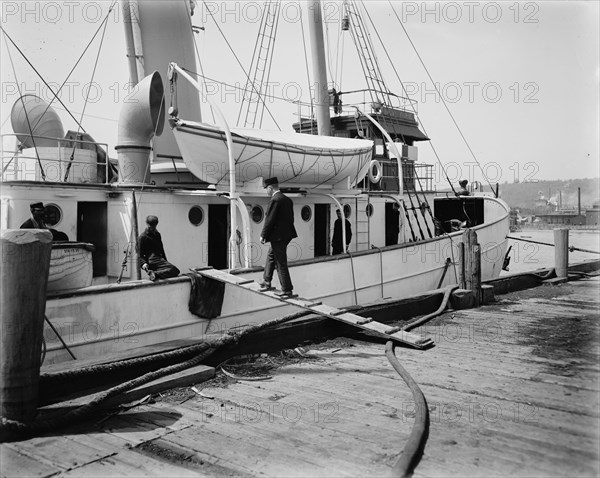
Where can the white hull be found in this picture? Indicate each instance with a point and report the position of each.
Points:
(296, 159)
(115, 318)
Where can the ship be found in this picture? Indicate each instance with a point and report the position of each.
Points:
(356, 152)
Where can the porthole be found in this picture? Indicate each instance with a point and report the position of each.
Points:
(306, 213)
(369, 210)
(52, 214)
(347, 210)
(196, 215)
(257, 214)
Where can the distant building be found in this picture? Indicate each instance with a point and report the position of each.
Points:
(592, 216)
(563, 218)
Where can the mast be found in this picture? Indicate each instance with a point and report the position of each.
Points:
(317, 48)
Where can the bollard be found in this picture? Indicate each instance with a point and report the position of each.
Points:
(24, 279)
(561, 253)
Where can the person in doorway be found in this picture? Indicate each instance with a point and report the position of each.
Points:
(278, 231)
(336, 242)
(463, 191)
(36, 221)
(151, 253)
(394, 227)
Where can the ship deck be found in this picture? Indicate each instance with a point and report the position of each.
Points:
(512, 389)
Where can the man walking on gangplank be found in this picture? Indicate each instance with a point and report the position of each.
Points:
(278, 231)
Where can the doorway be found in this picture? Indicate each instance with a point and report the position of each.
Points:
(92, 228)
(321, 230)
(218, 235)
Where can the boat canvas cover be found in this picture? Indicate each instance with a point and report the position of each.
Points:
(295, 158)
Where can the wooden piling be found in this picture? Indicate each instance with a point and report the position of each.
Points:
(561, 252)
(470, 264)
(24, 279)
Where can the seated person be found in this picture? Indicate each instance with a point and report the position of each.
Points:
(38, 221)
(151, 253)
(463, 191)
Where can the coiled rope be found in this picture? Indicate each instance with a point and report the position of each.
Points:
(12, 429)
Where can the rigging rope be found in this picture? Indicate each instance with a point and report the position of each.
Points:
(236, 58)
(87, 96)
(441, 97)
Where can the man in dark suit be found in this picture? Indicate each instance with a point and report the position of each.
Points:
(279, 231)
(36, 221)
(336, 242)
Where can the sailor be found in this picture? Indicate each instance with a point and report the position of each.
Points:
(393, 227)
(336, 242)
(36, 221)
(278, 231)
(151, 253)
(463, 191)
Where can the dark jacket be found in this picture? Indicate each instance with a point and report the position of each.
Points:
(30, 225)
(336, 242)
(279, 223)
(149, 244)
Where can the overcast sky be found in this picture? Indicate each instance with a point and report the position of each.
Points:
(520, 78)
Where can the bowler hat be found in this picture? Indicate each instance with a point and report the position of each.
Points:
(270, 182)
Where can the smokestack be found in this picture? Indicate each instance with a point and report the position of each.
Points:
(579, 201)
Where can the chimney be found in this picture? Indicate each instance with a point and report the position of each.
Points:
(579, 201)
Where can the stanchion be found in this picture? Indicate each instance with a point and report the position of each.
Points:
(561, 253)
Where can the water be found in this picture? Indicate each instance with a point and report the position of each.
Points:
(526, 256)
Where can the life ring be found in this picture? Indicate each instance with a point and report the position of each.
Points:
(375, 178)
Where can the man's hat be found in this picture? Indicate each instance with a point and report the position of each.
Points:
(36, 205)
(270, 182)
(463, 182)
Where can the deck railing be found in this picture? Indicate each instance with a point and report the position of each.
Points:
(67, 160)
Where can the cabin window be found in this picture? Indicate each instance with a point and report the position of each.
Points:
(196, 215)
(257, 214)
(52, 214)
(347, 210)
(369, 210)
(306, 213)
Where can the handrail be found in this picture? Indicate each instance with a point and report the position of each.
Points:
(59, 157)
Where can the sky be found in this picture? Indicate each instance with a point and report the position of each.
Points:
(521, 79)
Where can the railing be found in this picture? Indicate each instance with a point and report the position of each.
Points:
(64, 162)
(360, 99)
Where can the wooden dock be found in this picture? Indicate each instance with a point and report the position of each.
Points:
(512, 390)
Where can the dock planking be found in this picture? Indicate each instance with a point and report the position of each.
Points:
(512, 389)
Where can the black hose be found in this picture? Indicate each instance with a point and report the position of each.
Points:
(418, 435)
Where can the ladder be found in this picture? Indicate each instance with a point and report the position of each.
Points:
(363, 239)
(371, 70)
(365, 323)
(258, 77)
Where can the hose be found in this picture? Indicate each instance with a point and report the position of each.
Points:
(418, 435)
(447, 291)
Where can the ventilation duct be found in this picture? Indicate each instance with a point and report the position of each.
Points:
(36, 123)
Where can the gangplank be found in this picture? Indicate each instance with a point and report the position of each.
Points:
(365, 323)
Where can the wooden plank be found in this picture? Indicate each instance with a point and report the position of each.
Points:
(191, 376)
(348, 318)
(13, 463)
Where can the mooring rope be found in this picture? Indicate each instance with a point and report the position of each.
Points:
(13, 429)
(571, 248)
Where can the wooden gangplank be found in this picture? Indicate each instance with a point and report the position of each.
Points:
(365, 323)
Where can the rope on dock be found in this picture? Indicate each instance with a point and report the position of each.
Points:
(14, 430)
(571, 248)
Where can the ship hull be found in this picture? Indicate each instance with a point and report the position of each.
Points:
(114, 318)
